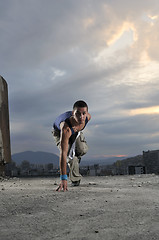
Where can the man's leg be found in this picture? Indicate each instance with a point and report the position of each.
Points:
(81, 149)
(73, 164)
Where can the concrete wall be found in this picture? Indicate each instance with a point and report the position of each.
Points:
(5, 152)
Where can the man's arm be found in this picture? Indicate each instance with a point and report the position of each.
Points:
(64, 139)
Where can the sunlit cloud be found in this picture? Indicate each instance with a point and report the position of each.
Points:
(145, 57)
(110, 156)
(149, 18)
(148, 110)
(152, 19)
(126, 26)
(118, 38)
(88, 22)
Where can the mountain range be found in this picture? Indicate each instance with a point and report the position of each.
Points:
(45, 158)
(36, 158)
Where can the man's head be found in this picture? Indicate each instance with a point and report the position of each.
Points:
(80, 104)
(80, 110)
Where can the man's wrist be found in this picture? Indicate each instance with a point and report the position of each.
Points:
(63, 177)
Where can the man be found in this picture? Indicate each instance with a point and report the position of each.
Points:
(67, 132)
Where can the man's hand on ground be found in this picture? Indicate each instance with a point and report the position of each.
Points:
(63, 185)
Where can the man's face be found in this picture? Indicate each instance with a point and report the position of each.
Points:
(80, 114)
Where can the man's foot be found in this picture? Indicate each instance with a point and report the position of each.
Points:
(75, 183)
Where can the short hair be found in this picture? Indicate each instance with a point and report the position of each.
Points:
(80, 104)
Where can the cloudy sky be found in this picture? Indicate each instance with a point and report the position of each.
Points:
(105, 52)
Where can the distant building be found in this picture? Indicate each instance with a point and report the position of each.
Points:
(129, 166)
(151, 161)
(136, 170)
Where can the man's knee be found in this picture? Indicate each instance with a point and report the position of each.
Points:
(56, 136)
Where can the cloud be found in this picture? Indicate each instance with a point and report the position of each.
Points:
(56, 52)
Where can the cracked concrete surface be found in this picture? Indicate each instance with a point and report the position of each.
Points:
(111, 208)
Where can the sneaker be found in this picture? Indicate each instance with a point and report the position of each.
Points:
(75, 184)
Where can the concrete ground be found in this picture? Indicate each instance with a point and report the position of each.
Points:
(111, 208)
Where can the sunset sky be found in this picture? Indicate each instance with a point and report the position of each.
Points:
(55, 52)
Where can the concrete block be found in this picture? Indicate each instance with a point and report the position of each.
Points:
(5, 151)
